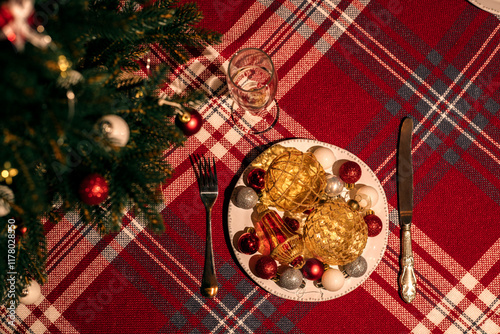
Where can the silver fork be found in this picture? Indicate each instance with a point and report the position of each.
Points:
(207, 182)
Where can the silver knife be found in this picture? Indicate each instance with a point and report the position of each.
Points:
(407, 279)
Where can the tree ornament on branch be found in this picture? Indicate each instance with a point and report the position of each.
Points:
(94, 189)
(187, 119)
(6, 197)
(115, 129)
(14, 22)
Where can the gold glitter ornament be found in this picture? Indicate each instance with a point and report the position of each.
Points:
(335, 234)
(266, 158)
(294, 182)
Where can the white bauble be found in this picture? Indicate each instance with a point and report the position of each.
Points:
(115, 129)
(370, 192)
(31, 293)
(333, 280)
(7, 193)
(334, 185)
(325, 157)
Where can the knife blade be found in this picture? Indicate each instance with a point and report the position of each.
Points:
(407, 278)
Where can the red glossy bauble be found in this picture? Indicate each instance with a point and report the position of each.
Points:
(20, 229)
(350, 172)
(255, 179)
(266, 267)
(374, 224)
(5, 16)
(189, 122)
(94, 189)
(248, 243)
(313, 269)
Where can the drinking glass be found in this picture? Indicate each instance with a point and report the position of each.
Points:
(253, 83)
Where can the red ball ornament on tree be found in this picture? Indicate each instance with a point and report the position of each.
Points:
(266, 267)
(350, 172)
(255, 179)
(313, 269)
(248, 243)
(374, 224)
(5, 16)
(94, 189)
(189, 122)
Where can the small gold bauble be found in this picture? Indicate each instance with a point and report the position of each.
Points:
(335, 234)
(294, 182)
(353, 204)
(349, 186)
(369, 212)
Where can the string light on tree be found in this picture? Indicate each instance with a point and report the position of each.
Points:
(8, 173)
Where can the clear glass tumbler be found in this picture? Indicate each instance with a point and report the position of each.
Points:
(252, 82)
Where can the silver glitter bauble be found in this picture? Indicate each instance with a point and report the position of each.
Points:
(334, 185)
(246, 198)
(291, 279)
(356, 268)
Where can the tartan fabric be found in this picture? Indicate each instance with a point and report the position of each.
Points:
(349, 71)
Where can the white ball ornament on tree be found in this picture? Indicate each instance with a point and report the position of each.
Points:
(325, 157)
(114, 128)
(6, 195)
(31, 293)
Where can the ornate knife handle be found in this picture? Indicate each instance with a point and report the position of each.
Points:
(407, 278)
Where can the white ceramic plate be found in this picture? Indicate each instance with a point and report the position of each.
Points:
(239, 219)
(491, 6)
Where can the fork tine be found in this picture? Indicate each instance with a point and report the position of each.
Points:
(206, 172)
(203, 173)
(197, 163)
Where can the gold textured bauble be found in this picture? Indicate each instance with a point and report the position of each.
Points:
(294, 181)
(335, 234)
(265, 158)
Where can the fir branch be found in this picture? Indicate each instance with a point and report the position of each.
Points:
(97, 49)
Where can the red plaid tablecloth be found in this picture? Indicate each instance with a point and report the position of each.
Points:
(349, 72)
